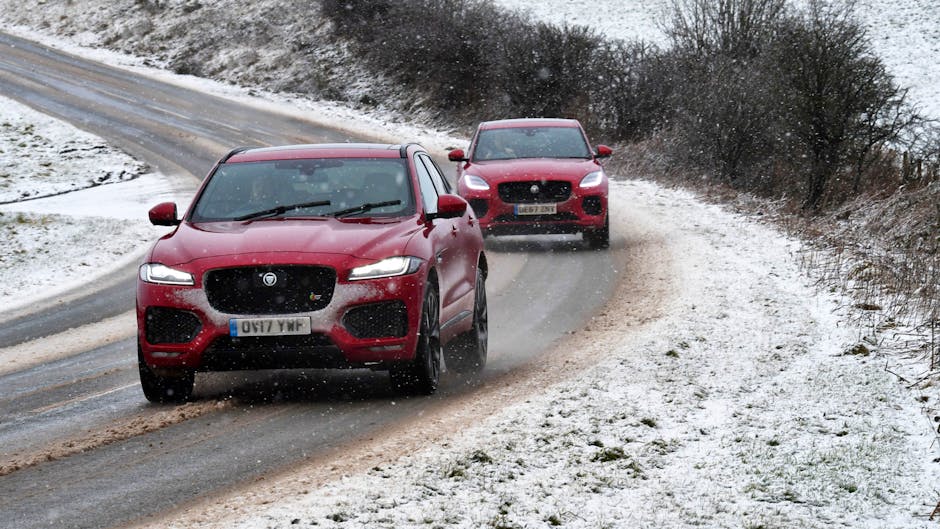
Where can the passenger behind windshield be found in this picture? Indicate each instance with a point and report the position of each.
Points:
(530, 142)
(239, 190)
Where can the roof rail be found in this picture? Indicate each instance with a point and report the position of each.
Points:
(403, 150)
(233, 152)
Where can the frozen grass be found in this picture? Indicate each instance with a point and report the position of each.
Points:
(37, 159)
(93, 216)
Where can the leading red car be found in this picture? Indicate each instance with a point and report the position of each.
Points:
(529, 176)
(314, 256)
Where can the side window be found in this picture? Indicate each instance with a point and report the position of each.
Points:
(428, 191)
(440, 183)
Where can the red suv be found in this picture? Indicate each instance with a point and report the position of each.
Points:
(314, 256)
(526, 176)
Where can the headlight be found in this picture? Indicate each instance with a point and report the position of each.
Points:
(475, 182)
(164, 275)
(393, 266)
(593, 179)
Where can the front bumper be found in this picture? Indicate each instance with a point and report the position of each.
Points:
(583, 210)
(367, 323)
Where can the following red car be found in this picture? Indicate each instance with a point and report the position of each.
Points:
(314, 256)
(529, 176)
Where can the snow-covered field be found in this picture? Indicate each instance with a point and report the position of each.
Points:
(736, 406)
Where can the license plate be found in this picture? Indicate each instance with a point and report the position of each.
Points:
(269, 326)
(535, 209)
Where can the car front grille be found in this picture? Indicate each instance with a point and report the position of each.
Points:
(377, 320)
(270, 289)
(532, 192)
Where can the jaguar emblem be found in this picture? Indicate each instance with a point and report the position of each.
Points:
(269, 279)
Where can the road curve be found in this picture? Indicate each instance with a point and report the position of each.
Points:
(79, 445)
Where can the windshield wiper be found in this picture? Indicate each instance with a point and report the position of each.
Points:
(365, 207)
(280, 210)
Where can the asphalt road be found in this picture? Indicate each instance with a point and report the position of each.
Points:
(79, 445)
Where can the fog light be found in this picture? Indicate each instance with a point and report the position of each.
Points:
(164, 354)
(385, 348)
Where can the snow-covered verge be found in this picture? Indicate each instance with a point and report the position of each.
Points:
(87, 222)
(53, 160)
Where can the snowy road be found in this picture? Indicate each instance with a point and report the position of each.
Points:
(79, 447)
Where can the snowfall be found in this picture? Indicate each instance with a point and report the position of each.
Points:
(738, 403)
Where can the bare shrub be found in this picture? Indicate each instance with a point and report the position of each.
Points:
(634, 82)
(723, 122)
(843, 106)
(448, 50)
(779, 101)
(723, 106)
(730, 28)
(474, 61)
(544, 69)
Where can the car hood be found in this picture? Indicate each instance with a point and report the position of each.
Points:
(361, 238)
(498, 171)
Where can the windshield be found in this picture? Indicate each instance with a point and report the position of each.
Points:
(306, 188)
(530, 142)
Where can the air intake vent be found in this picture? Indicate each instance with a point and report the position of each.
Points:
(377, 320)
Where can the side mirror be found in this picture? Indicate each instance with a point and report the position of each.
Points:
(603, 151)
(457, 155)
(164, 214)
(449, 207)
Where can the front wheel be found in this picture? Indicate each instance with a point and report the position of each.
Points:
(467, 352)
(165, 389)
(422, 375)
(599, 238)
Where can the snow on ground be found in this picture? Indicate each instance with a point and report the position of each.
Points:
(613, 19)
(906, 35)
(94, 214)
(40, 158)
(740, 408)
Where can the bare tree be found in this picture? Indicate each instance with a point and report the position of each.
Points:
(735, 28)
(724, 112)
(841, 102)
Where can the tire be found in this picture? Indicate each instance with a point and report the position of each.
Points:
(176, 389)
(422, 375)
(600, 238)
(467, 353)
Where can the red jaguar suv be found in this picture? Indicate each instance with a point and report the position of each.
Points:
(527, 176)
(314, 256)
